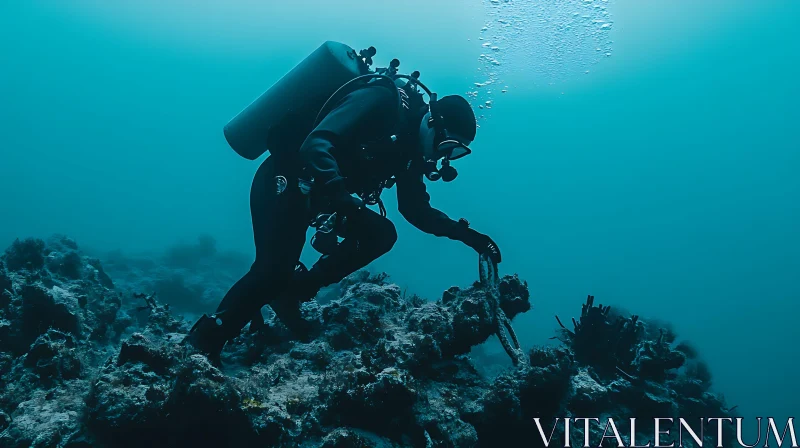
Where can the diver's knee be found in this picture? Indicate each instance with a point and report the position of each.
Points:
(385, 238)
(257, 270)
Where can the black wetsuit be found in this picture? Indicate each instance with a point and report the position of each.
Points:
(332, 154)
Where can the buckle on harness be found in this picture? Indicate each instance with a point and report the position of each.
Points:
(280, 184)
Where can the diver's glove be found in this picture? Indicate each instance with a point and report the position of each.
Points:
(476, 240)
(341, 200)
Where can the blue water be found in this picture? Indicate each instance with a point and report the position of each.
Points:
(663, 181)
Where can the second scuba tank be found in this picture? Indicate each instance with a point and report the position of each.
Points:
(281, 118)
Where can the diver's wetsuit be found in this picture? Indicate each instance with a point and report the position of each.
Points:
(331, 154)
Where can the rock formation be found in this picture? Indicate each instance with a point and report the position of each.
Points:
(85, 365)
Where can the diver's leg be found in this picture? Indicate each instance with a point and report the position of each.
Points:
(279, 227)
(369, 235)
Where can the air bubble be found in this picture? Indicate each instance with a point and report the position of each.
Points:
(544, 42)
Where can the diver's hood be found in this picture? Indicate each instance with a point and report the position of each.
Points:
(441, 143)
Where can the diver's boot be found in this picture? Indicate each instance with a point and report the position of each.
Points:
(257, 323)
(207, 336)
(288, 313)
(301, 287)
(287, 305)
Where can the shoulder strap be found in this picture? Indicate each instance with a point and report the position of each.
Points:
(354, 85)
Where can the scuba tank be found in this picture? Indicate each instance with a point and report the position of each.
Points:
(280, 119)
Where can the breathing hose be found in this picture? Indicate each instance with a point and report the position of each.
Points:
(337, 95)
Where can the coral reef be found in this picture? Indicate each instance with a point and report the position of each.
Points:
(85, 365)
(59, 319)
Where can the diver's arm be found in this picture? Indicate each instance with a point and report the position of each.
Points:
(361, 115)
(414, 204)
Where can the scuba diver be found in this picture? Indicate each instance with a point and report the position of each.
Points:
(374, 132)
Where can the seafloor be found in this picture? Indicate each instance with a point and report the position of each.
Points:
(91, 357)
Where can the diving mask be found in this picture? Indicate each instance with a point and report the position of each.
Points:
(437, 143)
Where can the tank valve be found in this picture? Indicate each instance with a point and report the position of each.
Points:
(368, 54)
(391, 70)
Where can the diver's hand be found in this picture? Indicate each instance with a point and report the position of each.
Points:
(483, 245)
(478, 241)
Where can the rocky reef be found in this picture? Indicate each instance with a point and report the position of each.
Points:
(83, 364)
